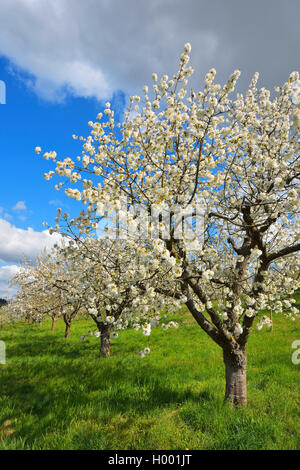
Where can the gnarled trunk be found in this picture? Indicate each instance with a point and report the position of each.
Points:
(105, 332)
(53, 325)
(67, 330)
(235, 372)
(68, 326)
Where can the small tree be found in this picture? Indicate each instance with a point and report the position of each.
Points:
(37, 296)
(115, 286)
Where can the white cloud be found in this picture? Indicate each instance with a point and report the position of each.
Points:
(6, 273)
(20, 206)
(58, 203)
(17, 244)
(94, 48)
(5, 214)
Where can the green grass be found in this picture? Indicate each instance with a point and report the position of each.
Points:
(58, 394)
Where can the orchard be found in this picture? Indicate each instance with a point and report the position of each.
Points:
(238, 157)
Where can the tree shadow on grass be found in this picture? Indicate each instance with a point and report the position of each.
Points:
(48, 390)
(58, 385)
(39, 346)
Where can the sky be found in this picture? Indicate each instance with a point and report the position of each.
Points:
(61, 60)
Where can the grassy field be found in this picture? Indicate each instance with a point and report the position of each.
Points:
(58, 394)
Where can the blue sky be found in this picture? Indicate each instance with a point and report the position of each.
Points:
(27, 120)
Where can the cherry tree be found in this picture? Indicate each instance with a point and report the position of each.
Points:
(98, 278)
(47, 288)
(115, 285)
(63, 277)
(239, 158)
(9, 312)
(35, 299)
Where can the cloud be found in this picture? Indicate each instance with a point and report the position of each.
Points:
(17, 244)
(96, 47)
(6, 273)
(6, 215)
(55, 202)
(58, 203)
(20, 206)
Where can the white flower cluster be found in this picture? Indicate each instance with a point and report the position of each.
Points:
(265, 320)
(170, 324)
(238, 156)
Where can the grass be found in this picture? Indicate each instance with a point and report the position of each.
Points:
(58, 394)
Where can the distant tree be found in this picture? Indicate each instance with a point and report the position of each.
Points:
(113, 286)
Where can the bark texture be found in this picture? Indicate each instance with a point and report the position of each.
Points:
(235, 373)
(105, 331)
(53, 325)
(67, 331)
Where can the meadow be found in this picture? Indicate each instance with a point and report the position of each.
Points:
(59, 394)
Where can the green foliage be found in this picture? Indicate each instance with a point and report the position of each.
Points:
(58, 394)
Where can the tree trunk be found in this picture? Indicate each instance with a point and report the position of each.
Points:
(53, 325)
(271, 317)
(67, 330)
(235, 372)
(105, 331)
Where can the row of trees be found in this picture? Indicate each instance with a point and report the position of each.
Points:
(237, 157)
(99, 279)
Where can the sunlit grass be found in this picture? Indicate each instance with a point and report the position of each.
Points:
(58, 394)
